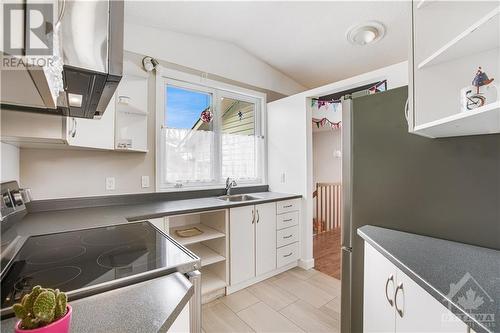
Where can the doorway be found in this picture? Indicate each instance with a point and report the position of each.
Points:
(327, 175)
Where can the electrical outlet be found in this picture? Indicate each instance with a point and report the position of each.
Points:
(110, 183)
(283, 177)
(145, 181)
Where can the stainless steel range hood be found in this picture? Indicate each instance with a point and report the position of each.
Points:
(91, 39)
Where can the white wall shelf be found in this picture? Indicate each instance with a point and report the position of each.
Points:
(208, 234)
(206, 254)
(479, 37)
(483, 120)
(130, 110)
(424, 3)
(131, 122)
(131, 150)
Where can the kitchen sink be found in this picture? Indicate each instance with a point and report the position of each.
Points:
(238, 198)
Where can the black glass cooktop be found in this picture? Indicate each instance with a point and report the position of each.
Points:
(78, 259)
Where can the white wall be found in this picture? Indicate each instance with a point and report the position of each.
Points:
(9, 168)
(208, 55)
(290, 142)
(58, 173)
(326, 166)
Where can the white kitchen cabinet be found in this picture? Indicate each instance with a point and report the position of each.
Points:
(444, 59)
(93, 133)
(182, 322)
(265, 238)
(418, 311)
(242, 243)
(379, 281)
(27, 129)
(399, 304)
(252, 241)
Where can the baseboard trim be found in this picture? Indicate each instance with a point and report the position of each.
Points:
(248, 283)
(306, 263)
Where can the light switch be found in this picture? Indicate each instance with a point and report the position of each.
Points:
(110, 183)
(283, 177)
(145, 181)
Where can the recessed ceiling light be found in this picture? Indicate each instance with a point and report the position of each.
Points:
(365, 33)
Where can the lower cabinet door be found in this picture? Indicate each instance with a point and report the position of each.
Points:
(265, 238)
(242, 243)
(379, 285)
(418, 311)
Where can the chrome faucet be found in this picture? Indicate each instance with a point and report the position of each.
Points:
(230, 183)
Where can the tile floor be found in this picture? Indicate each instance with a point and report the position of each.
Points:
(293, 301)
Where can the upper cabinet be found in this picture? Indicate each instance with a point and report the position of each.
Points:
(33, 130)
(450, 42)
(122, 127)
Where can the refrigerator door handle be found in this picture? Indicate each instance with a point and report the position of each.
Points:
(346, 248)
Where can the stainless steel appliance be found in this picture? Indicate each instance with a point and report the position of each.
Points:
(90, 261)
(445, 188)
(91, 43)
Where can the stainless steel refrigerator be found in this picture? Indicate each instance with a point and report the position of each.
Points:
(446, 188)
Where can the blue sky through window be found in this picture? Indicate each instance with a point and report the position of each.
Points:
(183, 107)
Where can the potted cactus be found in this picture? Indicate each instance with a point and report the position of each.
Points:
(43, 311)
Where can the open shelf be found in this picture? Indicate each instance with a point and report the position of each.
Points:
(130, 110)
(131, 150)
(206, 254)
(423, 3)
(210, 282)
(208, 233)
(481, 36)
(483, 120)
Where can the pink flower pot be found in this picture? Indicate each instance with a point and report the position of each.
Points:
(59, 326)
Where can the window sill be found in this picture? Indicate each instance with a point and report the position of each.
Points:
(202, 188)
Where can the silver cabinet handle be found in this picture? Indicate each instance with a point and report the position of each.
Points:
(258, 216)
(287, 255)
(74, 129)
(288, 206)
(389, 279)
(287, 220)
(72, 132)
(253, 216)
(285, 237)
(398, 288)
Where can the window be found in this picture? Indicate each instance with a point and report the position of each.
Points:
(208, 134)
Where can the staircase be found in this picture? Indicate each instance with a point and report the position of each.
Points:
(328, 200)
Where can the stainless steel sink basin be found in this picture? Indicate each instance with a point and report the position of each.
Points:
(237, 197)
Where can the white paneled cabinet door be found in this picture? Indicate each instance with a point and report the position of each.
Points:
(93, 133)
(379, 286)
(265, 238)
(242, 244)
(418, 311)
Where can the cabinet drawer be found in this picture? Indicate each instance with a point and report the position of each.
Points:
(287, 254)
(287, 220)
(287, 236)
(287, 206)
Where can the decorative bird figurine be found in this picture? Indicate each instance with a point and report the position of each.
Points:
(481, 79)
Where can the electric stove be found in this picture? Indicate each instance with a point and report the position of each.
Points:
(89, 261)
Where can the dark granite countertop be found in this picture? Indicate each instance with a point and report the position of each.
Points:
(79, 218)
(156, 304)
(439, 265)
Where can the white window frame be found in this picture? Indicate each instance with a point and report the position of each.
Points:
(180, 79)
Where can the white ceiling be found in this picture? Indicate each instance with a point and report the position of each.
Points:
(304, 40)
